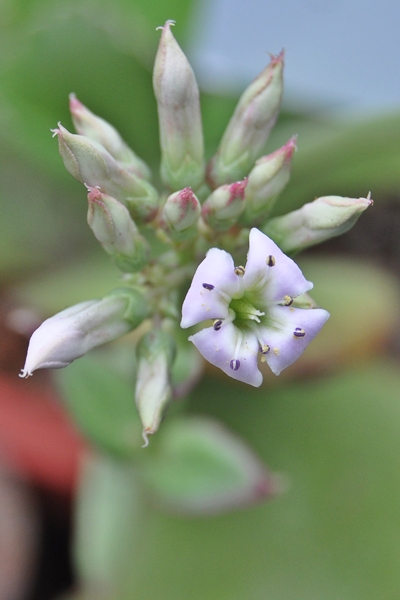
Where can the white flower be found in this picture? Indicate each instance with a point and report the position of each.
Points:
(251, 309)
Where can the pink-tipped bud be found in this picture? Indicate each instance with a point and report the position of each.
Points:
(181, 213)
(266, 181)
(94, 127)
(181, 134)
(116, 231)
(91, 164)
(224, 206)
(249, 127)
(316, 222)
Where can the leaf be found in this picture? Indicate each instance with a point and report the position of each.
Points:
(199, 467)
(103, 406)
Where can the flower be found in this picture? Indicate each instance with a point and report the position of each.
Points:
(252, 310)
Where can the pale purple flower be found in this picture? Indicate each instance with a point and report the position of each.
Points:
(252, 312)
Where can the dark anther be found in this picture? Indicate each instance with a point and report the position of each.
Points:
(217, 324)
(271, 260)
(234, 364)
(299, 332)
(239, 271)
(208, 286)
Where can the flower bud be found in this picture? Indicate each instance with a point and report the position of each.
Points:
(155, 355)
(315, 222)
(116, 231)
(91, 164)
(249, 127)
(181, 213)
(181, 134)
(266, 181)
(90, 125)
(223, 207)
(74, 331)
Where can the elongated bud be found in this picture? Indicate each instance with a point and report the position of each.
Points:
(249, 127)
(94, 127)
(224, 206)
(91, 164)
(181, 213)
(155, 355)
(117, 233)
(73, 332)
(316, 222)
(181, 134)
(266, 181)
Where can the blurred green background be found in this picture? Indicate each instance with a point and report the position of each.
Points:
(331, 426)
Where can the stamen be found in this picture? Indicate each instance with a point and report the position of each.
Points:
(240, 271)
(264, 348)
(217, 324)
(271, 262)
(208, 286)
(287, 301)
(299, 332)
(234, 364)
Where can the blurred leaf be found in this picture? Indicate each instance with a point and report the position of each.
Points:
(333, 534)
(107, 523)
(362, 299)
(198, 467)
(103, 406)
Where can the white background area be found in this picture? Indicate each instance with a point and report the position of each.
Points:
(341, 54)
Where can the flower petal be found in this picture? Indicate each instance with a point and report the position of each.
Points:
(271, 271)
(293, 330)
(231, 350)
(211, 290)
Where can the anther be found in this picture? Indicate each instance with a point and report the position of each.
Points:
(287, 301)
(234, 364)
(299, 332)
(240, 271)
(271, 260)
(208, 286)
(217, 324)
(264, 348)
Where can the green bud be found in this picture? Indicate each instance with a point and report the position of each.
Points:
(181, 213)
(91, 164)
(116, 231)
(181, 134)
(315, 222)
(249, 127)
(90, 125)
(155, 355)
(266, 181)
(223, 207)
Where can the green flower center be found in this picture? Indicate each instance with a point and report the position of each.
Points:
(245, 311)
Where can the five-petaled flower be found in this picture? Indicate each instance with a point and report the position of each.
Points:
(252, 310)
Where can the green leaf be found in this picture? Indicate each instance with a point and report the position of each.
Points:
(107, 520)
(332, 535)
(199, 467)
(103, 406)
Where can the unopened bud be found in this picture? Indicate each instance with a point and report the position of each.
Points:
(73, 332)
(116, 231)
(90, 125)
(266, 181)
(249, 127)
(181, 213)
(315, 222)
(91, 164)
(224, 206)
(155, 355)
(181, 134)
